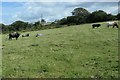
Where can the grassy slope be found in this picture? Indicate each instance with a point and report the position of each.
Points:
(75, 51)
(0, 55)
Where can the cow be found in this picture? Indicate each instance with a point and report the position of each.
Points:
(112, 24)
(96, 25)
(25, 35)
(14, 35)
(38, 35)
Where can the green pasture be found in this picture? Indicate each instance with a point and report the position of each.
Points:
(71, 52)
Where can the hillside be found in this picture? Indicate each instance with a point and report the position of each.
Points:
(70, 52)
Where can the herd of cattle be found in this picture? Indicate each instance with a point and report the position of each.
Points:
(108, 24)
(16, 34)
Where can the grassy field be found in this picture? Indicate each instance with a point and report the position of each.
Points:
(0, 55)
(70, 52)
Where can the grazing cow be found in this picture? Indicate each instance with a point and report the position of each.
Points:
(96, 25)
(14, 35)
(25, 35)
(112, 24)
(39, 35)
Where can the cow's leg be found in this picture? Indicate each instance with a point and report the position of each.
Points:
(10, 38)
(117, 26)
(113, 26)
(16, 38)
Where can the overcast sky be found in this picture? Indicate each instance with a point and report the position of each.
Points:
(50, 11)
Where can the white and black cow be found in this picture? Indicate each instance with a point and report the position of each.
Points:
(25, 35)
(14, 35)
(113, 24)
(37, 35)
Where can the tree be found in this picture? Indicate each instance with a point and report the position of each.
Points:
(80, 15)
(71, 20)
(118, 16)
(80, 12)
(97, 16)
(63, 21)
(19, 25)
(37, 23)
(110, 17)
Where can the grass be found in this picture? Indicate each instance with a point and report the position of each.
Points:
(0, 55)
(70, 52)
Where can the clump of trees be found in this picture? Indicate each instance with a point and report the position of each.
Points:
(25, 26)
(79, 16)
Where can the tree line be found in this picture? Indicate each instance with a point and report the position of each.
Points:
(79, 16)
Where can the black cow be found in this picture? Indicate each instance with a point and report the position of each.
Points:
(96, 25)
(14, 35)
(25, 35)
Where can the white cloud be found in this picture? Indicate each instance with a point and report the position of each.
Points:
(115, 8)
(49, 11)
(107, 7)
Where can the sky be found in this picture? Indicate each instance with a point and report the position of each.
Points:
(50, 11)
